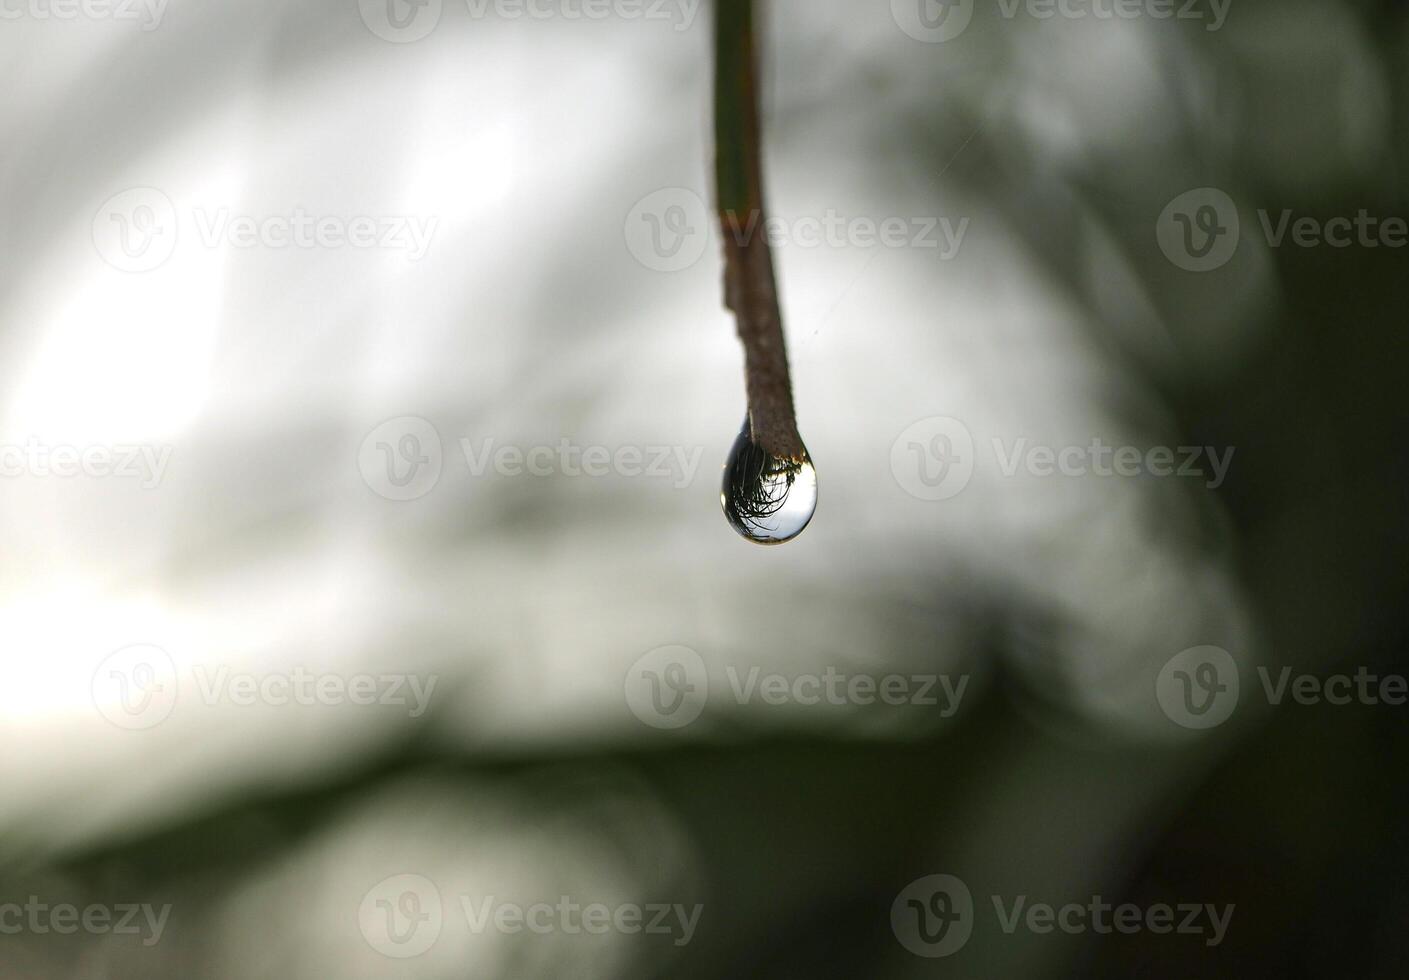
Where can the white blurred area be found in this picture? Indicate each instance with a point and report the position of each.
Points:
(482, 848)
(528, 321)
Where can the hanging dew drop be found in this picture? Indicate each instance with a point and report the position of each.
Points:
(768, 499)
(770, 486)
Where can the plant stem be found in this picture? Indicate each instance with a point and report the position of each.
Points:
(750, 286)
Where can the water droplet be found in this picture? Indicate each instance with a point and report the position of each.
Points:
(768, 499)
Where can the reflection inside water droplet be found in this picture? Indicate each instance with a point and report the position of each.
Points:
(768, 499)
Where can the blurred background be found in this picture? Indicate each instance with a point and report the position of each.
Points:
(367, 606)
